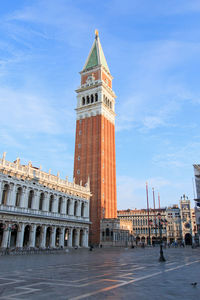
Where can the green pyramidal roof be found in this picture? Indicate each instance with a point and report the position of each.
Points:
(96, 56)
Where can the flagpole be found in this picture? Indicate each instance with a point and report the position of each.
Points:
(149, 241)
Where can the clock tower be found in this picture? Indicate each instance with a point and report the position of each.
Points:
(95, 138)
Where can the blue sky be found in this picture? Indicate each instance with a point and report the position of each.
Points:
(152, 49)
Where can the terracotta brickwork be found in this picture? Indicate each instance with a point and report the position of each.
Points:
(95, 157)
(106, 79)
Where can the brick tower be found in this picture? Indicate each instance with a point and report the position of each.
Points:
(95, 138)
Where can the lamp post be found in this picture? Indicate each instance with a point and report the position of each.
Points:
(160, 225)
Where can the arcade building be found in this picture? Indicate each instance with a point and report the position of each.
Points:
(41, 210)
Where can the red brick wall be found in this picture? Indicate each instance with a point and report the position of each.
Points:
(97, 160)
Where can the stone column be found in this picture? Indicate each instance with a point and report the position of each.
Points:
(85, 238)
(55, 204)
(53, 237)
(24, 197)
(86, 210)
(35, 202)
(43, 236)
(10, 199)
(32, 236)
(6, 237)
(46, 202)
(77, 237)
(69, 242)
(1, 191)
(79, 208)
(20, 235)
(64, 206)
(61, 237)
(71, 207)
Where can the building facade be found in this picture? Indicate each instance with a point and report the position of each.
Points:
(144, 224)
(41, 210)
(188, 221)
(116, 233)
(197, 199)
(95, 138)
(178, 224)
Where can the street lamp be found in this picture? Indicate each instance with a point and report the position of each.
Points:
(160, 226)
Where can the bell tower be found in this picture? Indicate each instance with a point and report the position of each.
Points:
(95, 138)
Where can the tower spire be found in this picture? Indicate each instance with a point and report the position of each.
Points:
(96, 56)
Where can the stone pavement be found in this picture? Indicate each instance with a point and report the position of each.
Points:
(102, 274)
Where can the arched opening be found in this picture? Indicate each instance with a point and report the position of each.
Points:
(81, 238)
(83, 101)
(75, 208)
(107, 233)
(60, 204)
(48, 237)
(92, 98)
(88, 99)
(67, 207)
(41, 201)
(51, 203)
(13, 236)
(18, 196)
(143, 239)
(26, 236)
(153, 240)
(74, 237)
(30, 199)
(137, 240)
(5, 194)
(66, 237)
(38, 236)
(82, 209)
(188, 239)
(57, 237)
(1, 232)
(96, 97)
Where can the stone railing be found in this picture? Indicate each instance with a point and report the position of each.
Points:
(40, 213)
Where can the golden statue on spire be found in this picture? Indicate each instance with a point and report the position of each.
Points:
(96, 33)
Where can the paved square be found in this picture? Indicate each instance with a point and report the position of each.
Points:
(102, 274)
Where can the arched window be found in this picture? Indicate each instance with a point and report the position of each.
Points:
(75, 208)
(5, 194)
(83, 101)
(96, 97)
(18, 196)
(92, 98)
(51, 203)
(88, 99)
(82, 209)
(59, 205)
(111, 105)
(41, 201)
(30, 198)
(67, 207)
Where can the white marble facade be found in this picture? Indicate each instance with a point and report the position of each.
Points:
(33, 215)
